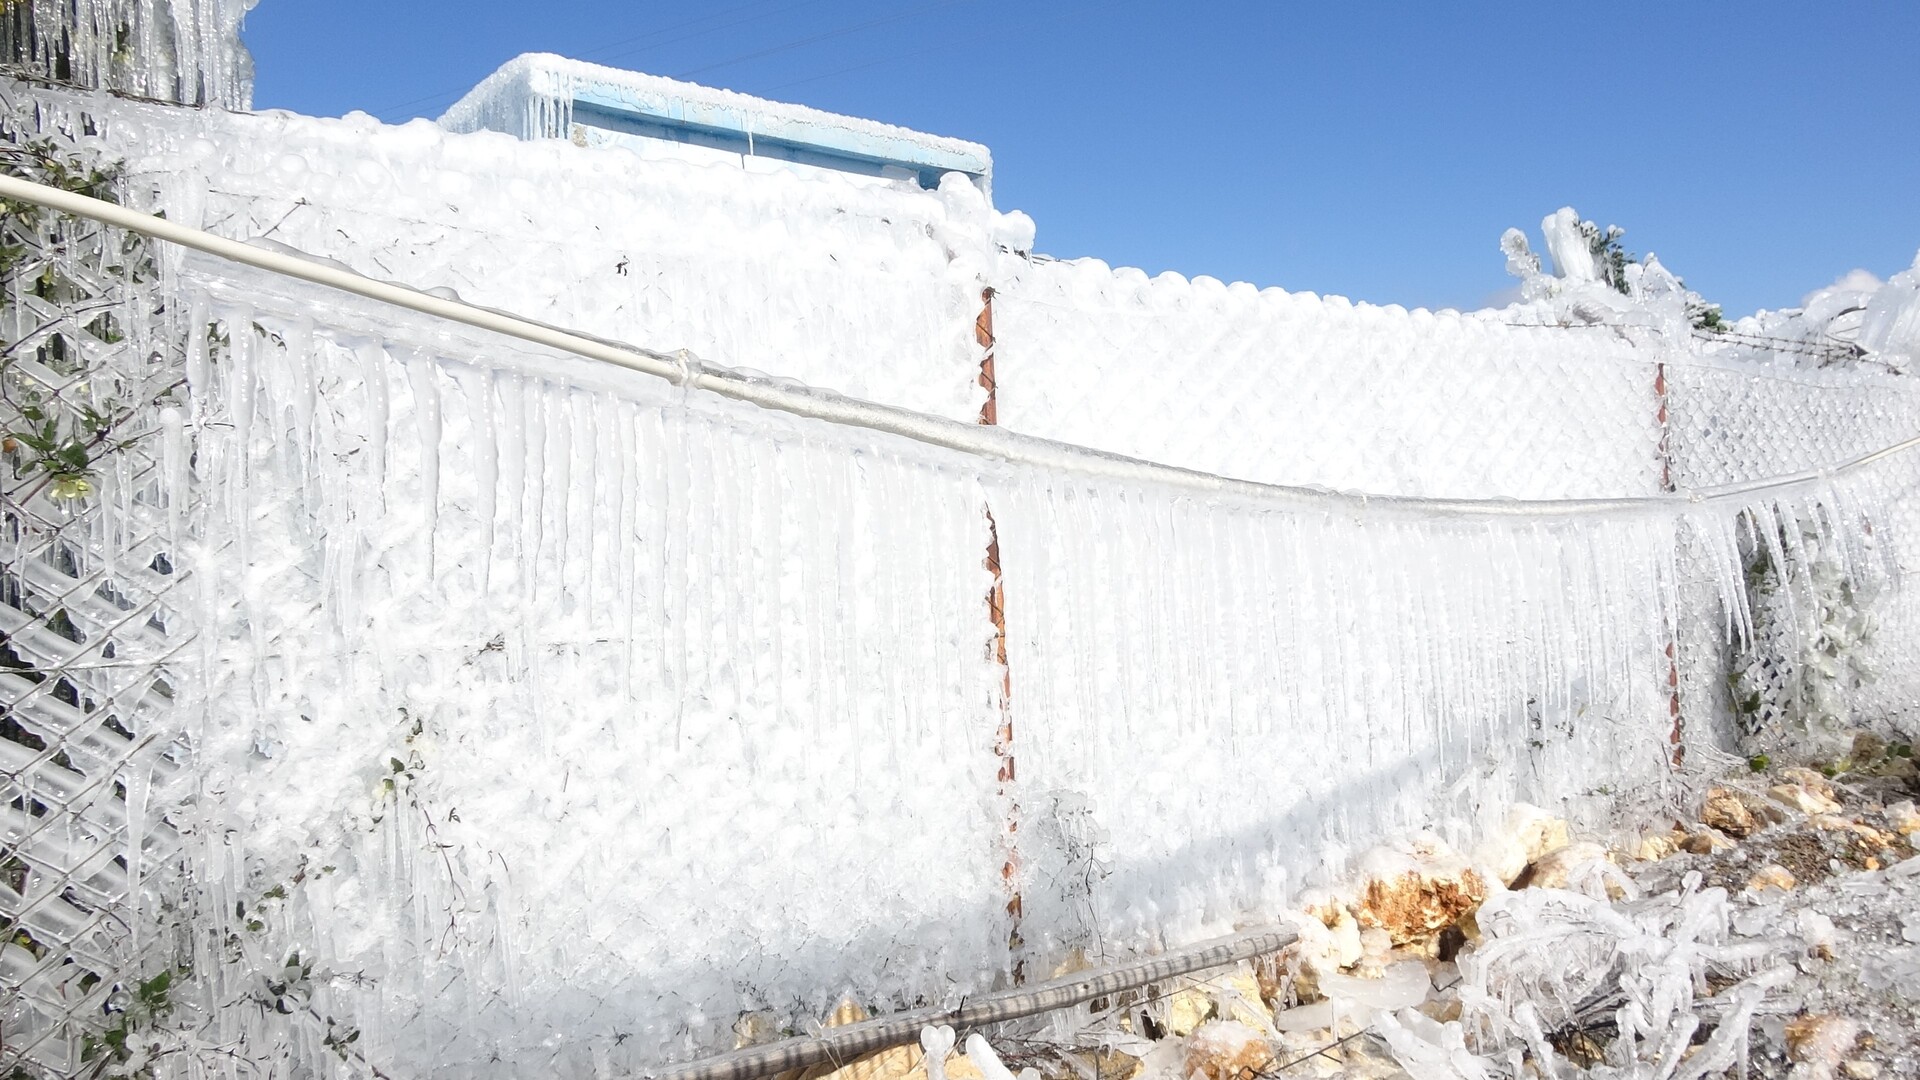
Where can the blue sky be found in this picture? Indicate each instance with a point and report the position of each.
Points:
(1372, 150)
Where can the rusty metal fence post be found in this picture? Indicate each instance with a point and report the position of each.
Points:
(1677, 738)
(997, 610)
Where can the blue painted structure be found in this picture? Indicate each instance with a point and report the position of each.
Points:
(540, 95)
(735, 130)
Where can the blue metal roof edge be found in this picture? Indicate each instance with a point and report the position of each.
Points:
(871, 147)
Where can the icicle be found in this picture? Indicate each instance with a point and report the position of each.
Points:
(173, 473)
(138, 779)
(533, 528)
(477, 387)
(244, 347)
(304, 393)
(422, 377)
(199, 327)
(373, 377)
(625, 546)
(563, 431)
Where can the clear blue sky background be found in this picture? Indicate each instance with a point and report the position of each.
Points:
(1368, 149)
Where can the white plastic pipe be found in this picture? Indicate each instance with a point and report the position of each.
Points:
(786, 396)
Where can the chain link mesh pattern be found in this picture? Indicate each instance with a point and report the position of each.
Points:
(807, 280)
(1293, 389)
(353, 511)
(574, 689)
(1732, 425)
(90, 631)
(1831, 633)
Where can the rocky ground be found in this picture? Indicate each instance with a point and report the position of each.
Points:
(1772, 933)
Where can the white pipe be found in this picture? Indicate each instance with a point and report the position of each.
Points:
(331, 276)
(784, 395)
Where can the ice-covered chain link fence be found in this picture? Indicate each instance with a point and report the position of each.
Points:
(185, 51)
(90, 626)
(510, 559)
(1835, 654)
(1289, 388)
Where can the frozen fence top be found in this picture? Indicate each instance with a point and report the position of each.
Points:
(187, 51)
(542, 96)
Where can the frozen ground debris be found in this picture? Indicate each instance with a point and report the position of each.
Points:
(1774, 934)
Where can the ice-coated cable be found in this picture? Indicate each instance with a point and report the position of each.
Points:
(842, 1044)
(975, 439)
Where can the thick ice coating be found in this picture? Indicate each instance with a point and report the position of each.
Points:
(502, 714)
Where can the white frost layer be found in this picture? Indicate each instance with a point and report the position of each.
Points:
(733, 749)
(176, 50)
(871, 290)
(1858, 319)
(619, 712)
(1293, 388)
(1299, 389)
(541, 701)
(532, 96)
(1737, 423)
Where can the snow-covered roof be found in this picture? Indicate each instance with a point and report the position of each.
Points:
(539, 95)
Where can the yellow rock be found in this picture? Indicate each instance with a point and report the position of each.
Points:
(1554, 871)
(1183, 1010)
(754, 1029)
(847, 1012)
(1803, 799)
(1528, 833)
(1705, 842)
(1227, 1050)
(1904, 818)
(959, 1067)
(1415, 906)
(1338, 947)
(1725, 811)
(1655, 846)
(884, 1064)
(893, 1063)
(1076, 961)
(1109, 1064)
(1772, 876)
(1821, 1041)
(1872, 836)
(1812, 781)
(1269, 972)
(1544, 836)
(1238, 996)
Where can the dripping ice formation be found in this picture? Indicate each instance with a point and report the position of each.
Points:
(555, 719)
(541, 96)
(187, 51)
(541, 702)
